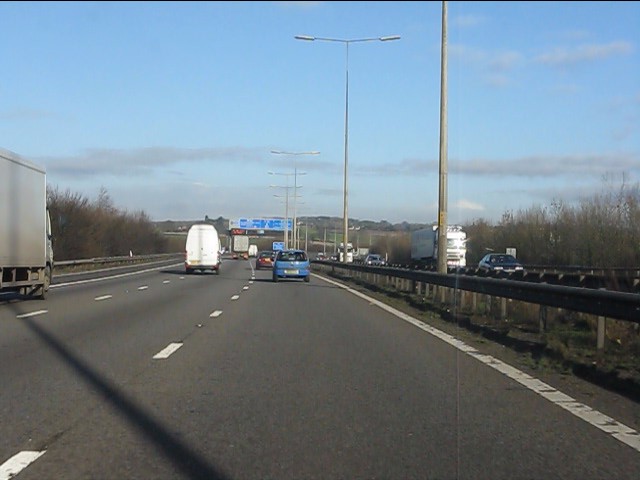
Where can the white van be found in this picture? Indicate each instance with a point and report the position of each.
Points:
(202, 251)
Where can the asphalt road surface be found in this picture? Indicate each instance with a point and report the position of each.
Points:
(157, 374)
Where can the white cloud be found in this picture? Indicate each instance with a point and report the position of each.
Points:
(563, 56)
(463, 204)
(464, 21)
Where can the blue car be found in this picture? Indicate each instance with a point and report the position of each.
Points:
(291, 264)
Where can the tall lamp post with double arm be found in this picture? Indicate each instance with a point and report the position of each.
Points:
(346, 42)
(295, 187)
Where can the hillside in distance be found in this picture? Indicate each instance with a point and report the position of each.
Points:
(316, 222)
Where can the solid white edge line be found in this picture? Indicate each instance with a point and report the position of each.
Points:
(17, 463)
(617, 430)
(92, 280)
(103, 297)
(216, 313)
(167, 351)
(32, 314)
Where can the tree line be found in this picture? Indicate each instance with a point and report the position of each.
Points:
(82, 228)
(601, 231)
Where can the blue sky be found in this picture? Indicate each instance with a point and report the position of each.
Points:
(175, 107)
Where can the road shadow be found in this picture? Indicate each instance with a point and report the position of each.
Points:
(180, 455)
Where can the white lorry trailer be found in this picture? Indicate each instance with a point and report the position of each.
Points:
(26, 253)
(424, 246)
(349, 253)
(240, 246)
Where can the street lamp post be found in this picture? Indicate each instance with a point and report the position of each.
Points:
(295, 186)
(286, 213)
(345, 221)
(286, 220)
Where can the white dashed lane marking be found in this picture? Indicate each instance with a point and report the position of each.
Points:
(17, 463)
(32, 314)
(168, 351)
(235, 297)
(103, 297)
(215, 314)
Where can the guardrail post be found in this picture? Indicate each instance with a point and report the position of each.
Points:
(474, 302)
(542, 317)
(602, 325)
(503, 308)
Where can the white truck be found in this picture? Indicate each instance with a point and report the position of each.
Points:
(424, 246)
(240, 246)
(349, 253)
(26, 253)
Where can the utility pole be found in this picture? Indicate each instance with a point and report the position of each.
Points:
(442, 195)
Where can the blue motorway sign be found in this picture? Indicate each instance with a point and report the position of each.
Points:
(278, 246)
(262, 224)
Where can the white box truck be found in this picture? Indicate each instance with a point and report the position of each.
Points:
(26, 252)
(424, 246)
(240, 246)
(349, 253)
(202, 249)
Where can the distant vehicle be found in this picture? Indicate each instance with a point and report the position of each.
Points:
(265, 259)
(26, 252)
(424, 246)
(253, 250)
(202, 249)
(375, 260)
(240, 246)
(349, 252)
(321, 256)
(499, 262)
(291, 264)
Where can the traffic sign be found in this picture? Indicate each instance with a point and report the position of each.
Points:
(278, 246)
(277, 224)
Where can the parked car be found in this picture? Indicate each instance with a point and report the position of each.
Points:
(265, 259)
(499, 262)
(375, 260)
(291, 264)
